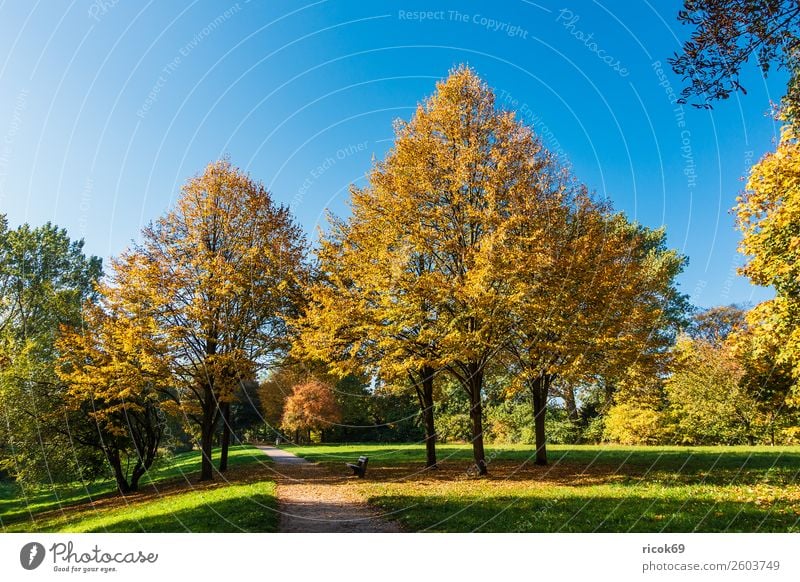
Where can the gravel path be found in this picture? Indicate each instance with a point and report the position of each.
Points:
(312, 499)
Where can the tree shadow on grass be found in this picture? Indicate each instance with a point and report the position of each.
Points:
(705, 462)
(591, 466)
(22, 506)
(586, 513)
(663, 458)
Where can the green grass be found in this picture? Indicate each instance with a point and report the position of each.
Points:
(584, 489)
(247, 507)
(21, 509)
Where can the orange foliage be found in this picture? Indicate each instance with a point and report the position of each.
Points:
(312, 406)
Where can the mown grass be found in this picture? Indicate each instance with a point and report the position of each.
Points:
(169, 500)
(584, 489)
(247, 507)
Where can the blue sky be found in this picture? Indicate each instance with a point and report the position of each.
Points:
(107, 106)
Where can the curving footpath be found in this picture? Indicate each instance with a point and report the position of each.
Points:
(313, 500)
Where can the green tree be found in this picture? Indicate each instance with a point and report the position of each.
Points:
(44, 279)
(398, 414)
(723, 386)
(356, 402)
(707, 402)
(273, 392)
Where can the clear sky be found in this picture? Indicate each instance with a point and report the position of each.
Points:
(107, 106)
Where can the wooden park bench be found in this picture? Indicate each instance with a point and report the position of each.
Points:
(359, 468)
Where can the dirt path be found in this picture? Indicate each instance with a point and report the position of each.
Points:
(312, 499)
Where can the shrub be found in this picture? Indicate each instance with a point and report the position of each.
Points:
(629, 424)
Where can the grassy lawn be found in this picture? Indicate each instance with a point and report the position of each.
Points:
(584, 489)
(169, 500)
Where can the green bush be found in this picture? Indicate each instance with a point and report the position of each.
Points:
(560, 429)
(593, 433)
(453, 427)
(509, 422)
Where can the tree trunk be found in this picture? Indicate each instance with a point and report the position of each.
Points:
(207, 435)
(226, 436)
(427, 413)
(772, 428)
(570, 403)
(539, 392)
(476, 416)
(209, 408)
(608, 390)
(138, 471)
(119, 475)
(145, 429)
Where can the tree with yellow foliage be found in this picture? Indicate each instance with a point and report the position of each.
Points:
(767, 377)
(768, 214)
(408, 272)
(116, 371)
(369, 315)
(470, 242)
(219, 274)
(707, 401)
(273, 392)
(592, 294)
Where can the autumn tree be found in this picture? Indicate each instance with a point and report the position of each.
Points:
(363, 316)
(45, 277)
(272, 395)
(631, 423)
(768, 215)
(311, 406)
(450, 181)
(413, 259)
(275, 390)
(726, 35)
(470, 241)
(116, 372)
(593, 294)
(219, 273)
(370, 312)
(723, 386)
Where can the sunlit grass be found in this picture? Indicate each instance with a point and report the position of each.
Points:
(584, 489)
(19, 503)
(248, 507)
